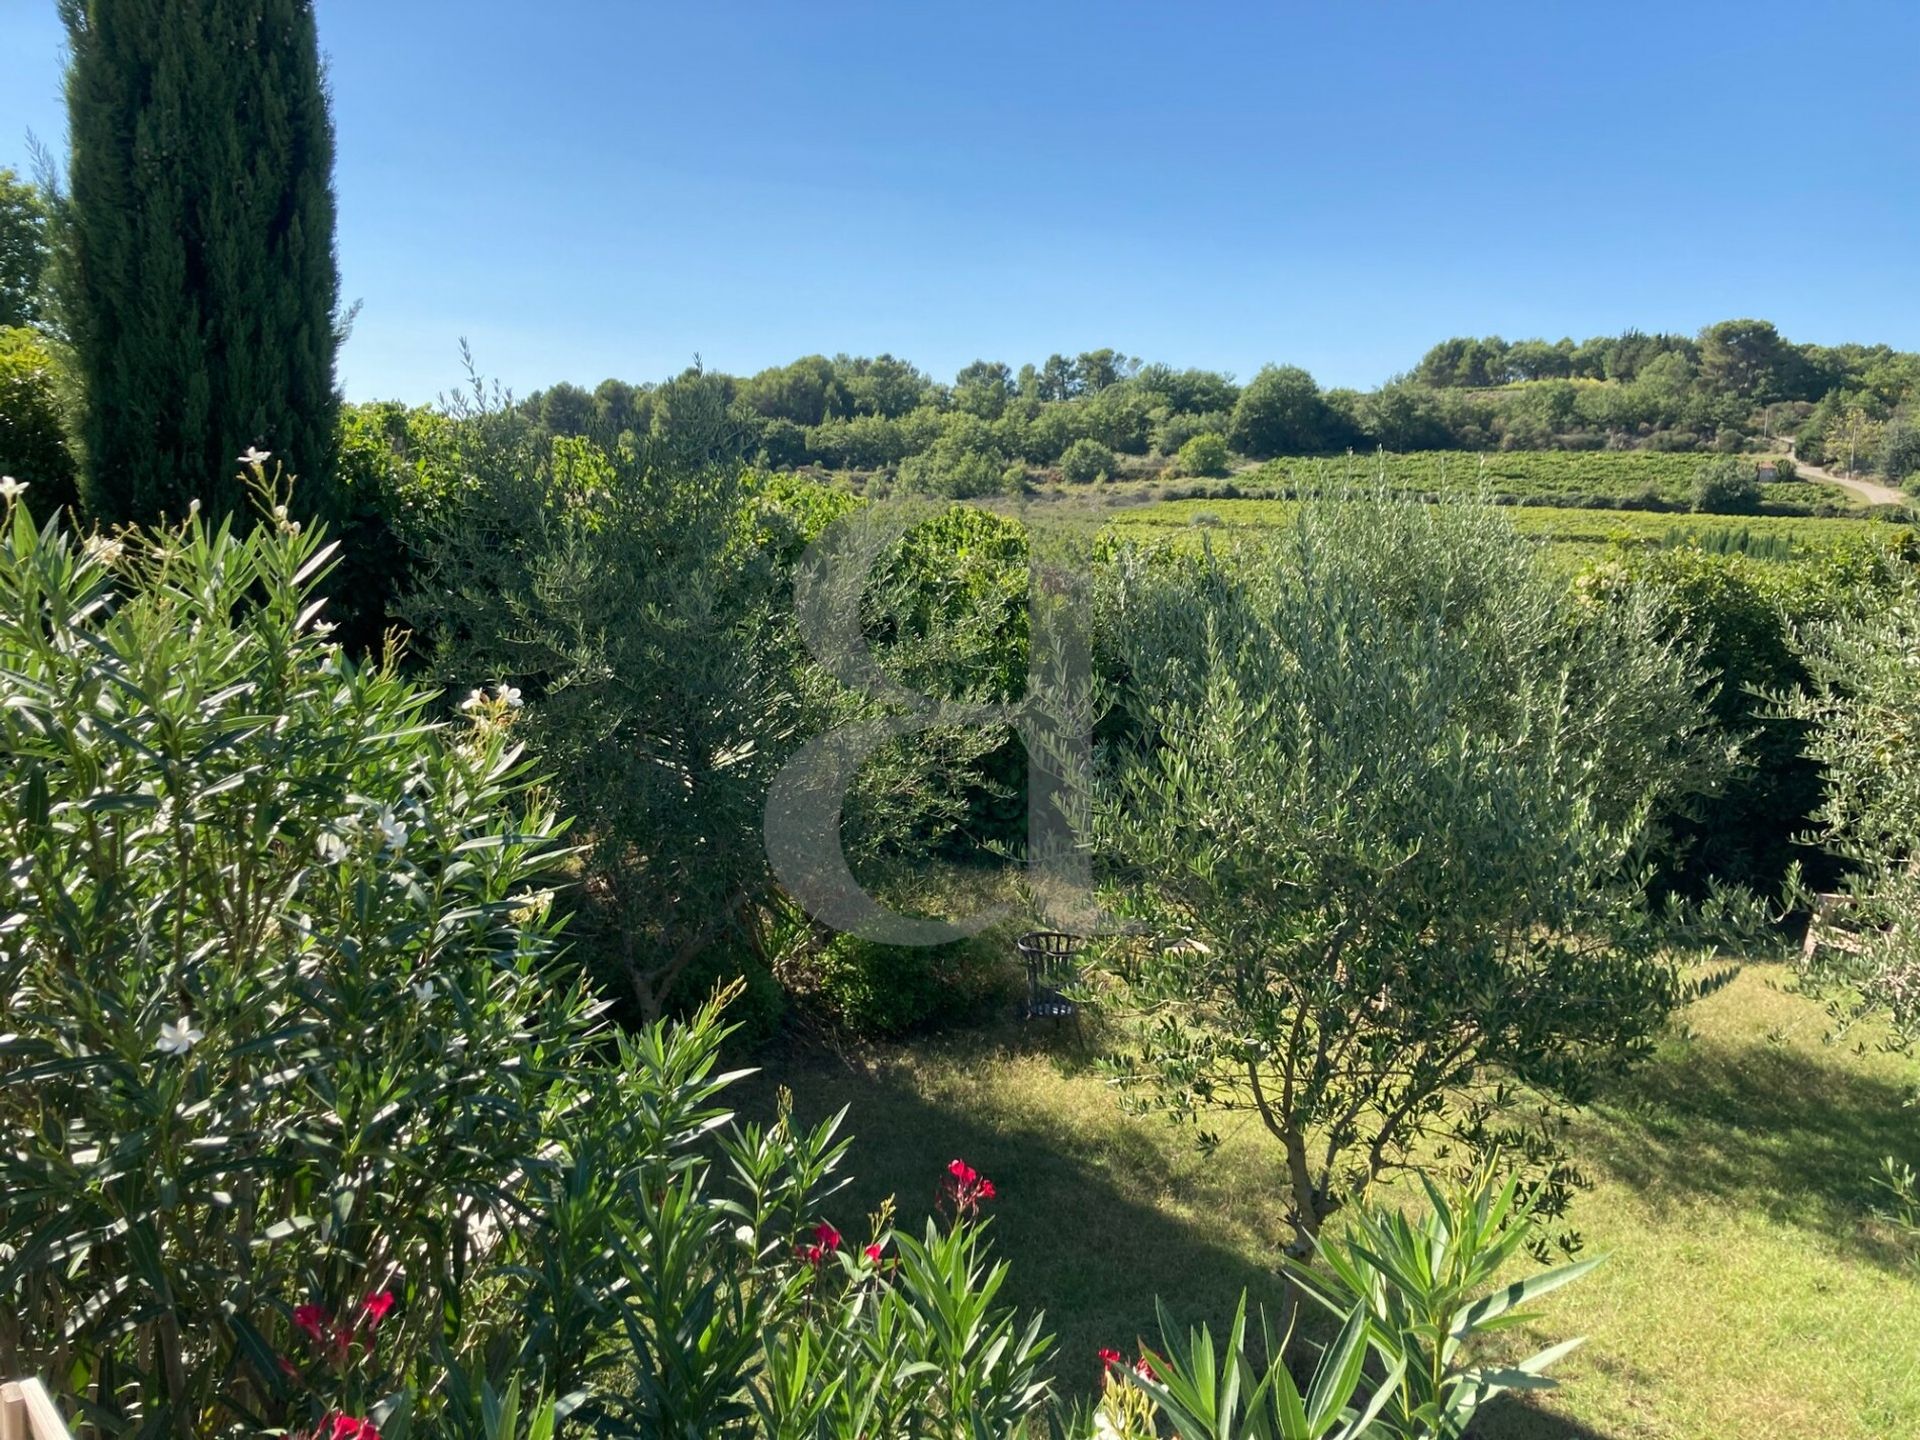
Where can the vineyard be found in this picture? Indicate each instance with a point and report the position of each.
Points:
(1576, 533)
(1606, 478)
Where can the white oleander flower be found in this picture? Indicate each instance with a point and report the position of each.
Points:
(332, 847)
(510, 694)
(178, 1038)
(744, 1234)
(393, 830)
(476, 699)
(423, 992)
(255, 457)
(11, 489)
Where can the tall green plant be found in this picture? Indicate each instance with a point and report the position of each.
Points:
(1390, 786)
(200, 287)
(1426, 1290)
(302, 1127)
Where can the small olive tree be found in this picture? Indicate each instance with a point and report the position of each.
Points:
(1388, 783)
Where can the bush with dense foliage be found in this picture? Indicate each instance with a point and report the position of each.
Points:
(1204, 454)
(879, 991)
(1862, 704)
(1741, 613)
(33, 439)
(1727, 486)
(643, 608)
(1390, 783)
(1085, 461)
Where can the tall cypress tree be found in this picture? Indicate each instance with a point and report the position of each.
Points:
(201, 286)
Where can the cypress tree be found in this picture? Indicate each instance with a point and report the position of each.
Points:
(200, 285)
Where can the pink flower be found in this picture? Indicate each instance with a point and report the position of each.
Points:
(376, 1306)
(812, 1254)
(345, 1427)
(965, 1189)
(314, 1321)
(1144, 1368)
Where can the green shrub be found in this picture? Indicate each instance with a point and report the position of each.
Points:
(1203, 455)
(1739, 607)
(298, 1117)
(1784, 469)
(1085, 461)
(33, 440)
(1727, 486)
(1426, 1288)
(879, 991)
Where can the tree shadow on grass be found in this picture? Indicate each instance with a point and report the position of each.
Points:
(1097, 1221)
(1764, 1127)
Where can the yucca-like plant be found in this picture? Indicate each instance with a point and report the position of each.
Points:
(1209, 1392)
(1427, 1291)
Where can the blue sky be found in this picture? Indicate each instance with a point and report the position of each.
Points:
(586, 188)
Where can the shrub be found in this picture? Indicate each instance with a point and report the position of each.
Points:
(304, 1132)
(1727, 486)
(1203, 455)
(33, 440)
(1863, 706)
(1899, 457)
(878, 991)
(1784, 469)
(1086, 461)
(284, 983)
(1426, 1289)
(1740, 610)
(1179, 427)
(1390, 783)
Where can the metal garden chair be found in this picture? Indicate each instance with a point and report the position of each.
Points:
(1052, 960)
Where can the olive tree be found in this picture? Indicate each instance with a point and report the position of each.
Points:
(1385, 783)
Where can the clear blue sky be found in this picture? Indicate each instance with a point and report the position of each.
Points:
(587, 188)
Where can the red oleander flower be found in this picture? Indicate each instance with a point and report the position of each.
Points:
(1144, 1368)
(872, 1252)
(812, 1254)
(1108, 1357)
(376, 1306)
(345, 1427)
(965, 1189)
(314, 1321)
(828, 1237)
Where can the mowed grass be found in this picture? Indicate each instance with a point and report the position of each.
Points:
(1575, 534)
(1748, 1291)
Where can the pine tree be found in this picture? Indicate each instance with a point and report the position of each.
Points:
(200, 285)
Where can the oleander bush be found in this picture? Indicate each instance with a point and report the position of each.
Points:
(304, 1129)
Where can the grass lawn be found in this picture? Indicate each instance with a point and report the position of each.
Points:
(1748, 1293)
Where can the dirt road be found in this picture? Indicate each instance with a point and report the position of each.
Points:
(1870, 491)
